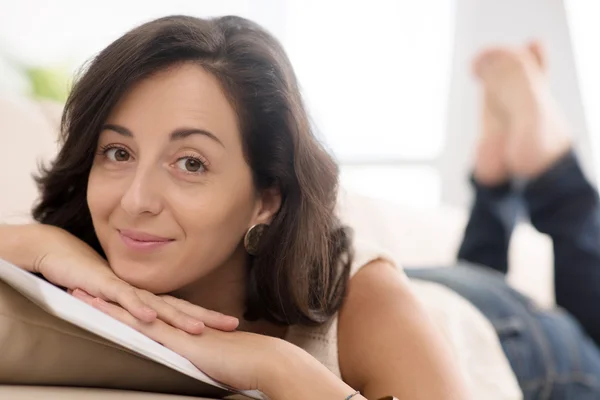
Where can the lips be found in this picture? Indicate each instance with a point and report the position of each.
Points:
(143, 237)
(141, 241)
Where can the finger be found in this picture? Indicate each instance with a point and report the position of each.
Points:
(126, 295)
(156, 330)
(213, 319)
(78, 291)
(173, 315)
(536, 48)
(83, 296)
(156, 333)
(481, 60)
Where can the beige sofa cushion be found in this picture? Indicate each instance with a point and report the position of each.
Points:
(27, 136)
(40, 349)
(428, 238)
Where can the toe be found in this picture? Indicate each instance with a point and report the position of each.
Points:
(536, 49)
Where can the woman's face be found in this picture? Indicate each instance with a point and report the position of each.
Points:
(170, 193)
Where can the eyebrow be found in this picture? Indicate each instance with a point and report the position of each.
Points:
(177, 134)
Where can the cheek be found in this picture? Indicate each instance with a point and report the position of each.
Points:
(212, 218)
(215, 220)
(102, 196)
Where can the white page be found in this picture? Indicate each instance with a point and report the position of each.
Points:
(66, 307)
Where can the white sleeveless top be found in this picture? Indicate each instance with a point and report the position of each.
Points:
(472, 338)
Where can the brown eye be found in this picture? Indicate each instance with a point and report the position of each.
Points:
(118, 154)
(190, 164)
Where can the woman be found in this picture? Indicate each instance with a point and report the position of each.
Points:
(188, 167)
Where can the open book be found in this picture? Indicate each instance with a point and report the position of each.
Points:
(66, 307)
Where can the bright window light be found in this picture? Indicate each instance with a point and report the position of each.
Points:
(415, 186)
(585, 31)
(375, 74)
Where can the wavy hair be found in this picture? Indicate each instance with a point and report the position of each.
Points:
(301, 273)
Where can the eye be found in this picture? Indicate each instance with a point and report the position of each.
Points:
(190, 165)
(117, 154)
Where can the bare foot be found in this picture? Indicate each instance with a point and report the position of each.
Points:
(520, 102)
(490, 159)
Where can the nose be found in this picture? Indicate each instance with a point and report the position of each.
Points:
(143, 194)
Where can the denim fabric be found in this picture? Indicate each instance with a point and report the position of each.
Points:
(554, 354)
(550, 354)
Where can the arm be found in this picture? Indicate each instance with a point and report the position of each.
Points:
(387, 347)
(296, 375)
(67, 261)
(387, 343)
(242, 360)
(16, 245)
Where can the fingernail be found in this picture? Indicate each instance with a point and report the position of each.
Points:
(148, 310)
(100, 303)
(195, 322)
(80, 294)
(227, 317)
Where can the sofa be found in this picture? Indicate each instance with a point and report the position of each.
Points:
(417, 237)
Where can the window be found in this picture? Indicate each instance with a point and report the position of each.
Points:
(375, 75)
(585, 31)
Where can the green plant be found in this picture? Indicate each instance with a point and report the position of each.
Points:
(48, 83)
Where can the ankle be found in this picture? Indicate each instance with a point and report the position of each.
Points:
(534, 163)
(490, 179)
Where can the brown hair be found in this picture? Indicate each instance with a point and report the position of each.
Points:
(301, 274)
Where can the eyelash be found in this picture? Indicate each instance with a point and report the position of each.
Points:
(104, 149)
(203, 162)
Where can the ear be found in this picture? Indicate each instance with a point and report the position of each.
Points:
(268, 205)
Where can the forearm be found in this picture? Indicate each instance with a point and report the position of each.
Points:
(296, 375)
(16, 244)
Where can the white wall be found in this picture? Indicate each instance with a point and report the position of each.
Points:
(480, 23)
(585, 31)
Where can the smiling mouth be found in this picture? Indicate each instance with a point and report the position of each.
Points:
(143, 241)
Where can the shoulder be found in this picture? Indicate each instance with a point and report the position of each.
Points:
(375, 293)
(387, 342)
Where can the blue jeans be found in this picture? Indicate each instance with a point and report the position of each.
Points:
(554, 354)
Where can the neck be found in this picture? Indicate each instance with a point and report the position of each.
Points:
(224, 291)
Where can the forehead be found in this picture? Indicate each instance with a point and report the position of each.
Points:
(184, 95)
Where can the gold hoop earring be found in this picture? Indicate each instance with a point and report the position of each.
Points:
(252, 238)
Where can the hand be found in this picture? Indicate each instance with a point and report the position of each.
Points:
(67, 261)
(241, 360)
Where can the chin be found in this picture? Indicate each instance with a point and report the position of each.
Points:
(142, 276)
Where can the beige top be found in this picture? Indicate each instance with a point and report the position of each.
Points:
(474, 342)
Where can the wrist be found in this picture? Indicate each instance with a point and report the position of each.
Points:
(271, 375)
(293, 374)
